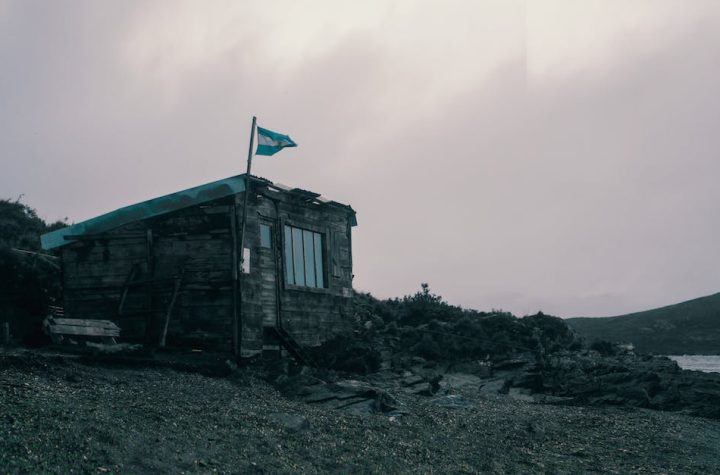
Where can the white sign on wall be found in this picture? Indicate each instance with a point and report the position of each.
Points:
(246, 261)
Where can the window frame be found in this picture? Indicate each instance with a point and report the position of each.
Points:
(324, 233)
(270, 236)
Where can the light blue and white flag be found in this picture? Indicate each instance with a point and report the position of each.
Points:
(269, 142)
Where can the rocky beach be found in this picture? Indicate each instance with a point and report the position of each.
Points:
(419, 386)
(64, 414)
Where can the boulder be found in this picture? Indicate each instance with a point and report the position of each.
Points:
(419, 384)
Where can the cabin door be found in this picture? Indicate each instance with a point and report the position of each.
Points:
(268, 273)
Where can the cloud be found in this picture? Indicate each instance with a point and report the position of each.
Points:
(516, 155)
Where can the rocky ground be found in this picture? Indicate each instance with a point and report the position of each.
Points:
(61, 414)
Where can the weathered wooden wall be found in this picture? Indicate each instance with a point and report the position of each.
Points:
(310, 315)
(194, 242)
(138, 264)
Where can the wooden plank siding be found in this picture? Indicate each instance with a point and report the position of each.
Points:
(197, 242)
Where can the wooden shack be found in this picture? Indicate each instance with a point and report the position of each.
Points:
(168, 270)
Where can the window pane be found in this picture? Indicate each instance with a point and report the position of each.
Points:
(265, 236)
(318, 260)
(289, 257)
(298, 260)
(309, 258)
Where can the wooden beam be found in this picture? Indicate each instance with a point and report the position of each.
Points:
(126, 288)
(79, 330)
(83, 327)
(235, 264)
(77, 322)
(176, 290)
(42, 254)
(150, 259)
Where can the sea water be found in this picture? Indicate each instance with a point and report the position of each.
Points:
(707, 363)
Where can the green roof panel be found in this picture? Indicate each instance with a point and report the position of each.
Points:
(146, 209)
(162, 205)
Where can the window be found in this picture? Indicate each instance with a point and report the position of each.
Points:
(304, 257)
(265, 236)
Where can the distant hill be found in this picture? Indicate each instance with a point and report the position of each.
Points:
(691, 327)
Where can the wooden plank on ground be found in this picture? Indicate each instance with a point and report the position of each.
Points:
(80, 330)
(83, 322)
(81, 327)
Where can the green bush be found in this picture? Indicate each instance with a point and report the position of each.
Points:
(428, 348)
(604, 347)
(425, 325)
(344, 353)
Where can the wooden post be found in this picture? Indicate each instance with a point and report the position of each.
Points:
(277, 238)
(247, 192)
(235, 261)
(149, 319)
(176, 290)
(126, 288)
(237, 320)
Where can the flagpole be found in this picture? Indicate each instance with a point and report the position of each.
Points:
(237, 329)
(247, 189)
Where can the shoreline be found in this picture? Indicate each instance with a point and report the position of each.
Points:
(703, 363)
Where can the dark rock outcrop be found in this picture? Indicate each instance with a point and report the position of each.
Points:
(630, 380)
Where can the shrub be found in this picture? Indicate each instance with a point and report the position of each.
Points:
(428, 348)
(425, 306)
(344, 353)
(552, 333)
(423, 324)
(604, 347)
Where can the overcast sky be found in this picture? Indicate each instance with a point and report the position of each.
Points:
(555, 155)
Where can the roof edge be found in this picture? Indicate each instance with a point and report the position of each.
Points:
(159, 206)
(146, 209)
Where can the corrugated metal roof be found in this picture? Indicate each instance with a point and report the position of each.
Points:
(148, 209)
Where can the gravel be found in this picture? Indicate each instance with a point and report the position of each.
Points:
(60, 416)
